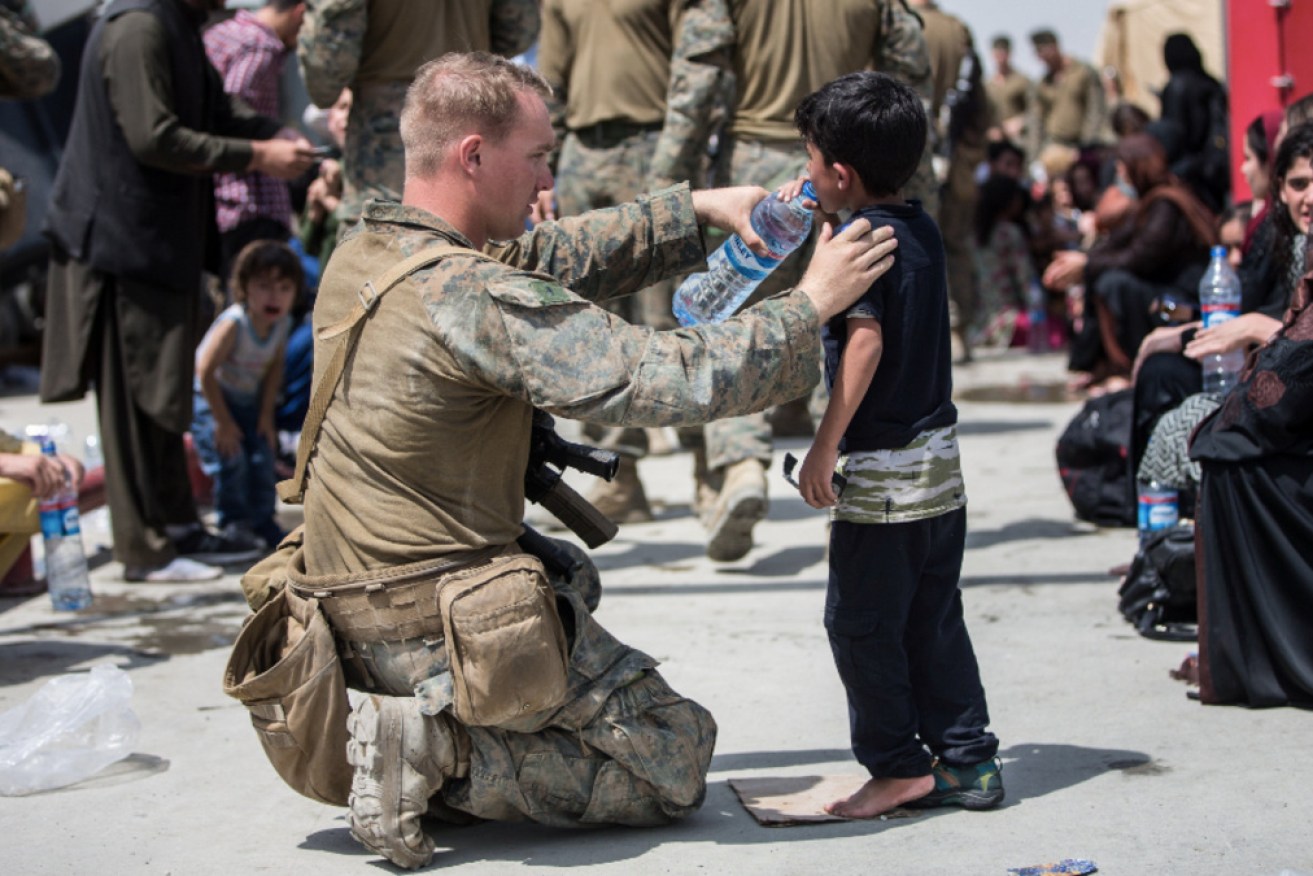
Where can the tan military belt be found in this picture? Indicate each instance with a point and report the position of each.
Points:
(385, 605)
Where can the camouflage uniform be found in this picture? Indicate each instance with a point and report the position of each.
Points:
(916, 482)
(706, 58)
(337, 49)
(29, 67)
(450, 365)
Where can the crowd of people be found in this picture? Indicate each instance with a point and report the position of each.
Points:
(1044, 213)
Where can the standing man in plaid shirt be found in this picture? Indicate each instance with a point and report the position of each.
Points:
(248, 50)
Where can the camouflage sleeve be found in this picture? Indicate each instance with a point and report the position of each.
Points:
(514, 26)
(902, 50)
(29, 67)
(538, 342)
(617, 251)
(328, 47)
(701, 87)
(554, 60)
(1096, 110)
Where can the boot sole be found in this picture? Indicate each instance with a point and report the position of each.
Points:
(392, 848)
(732, 539)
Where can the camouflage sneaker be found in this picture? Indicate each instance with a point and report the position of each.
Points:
(975, 787)
(399, 758)
(738, 507)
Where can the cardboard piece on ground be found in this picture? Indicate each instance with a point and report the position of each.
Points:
(781, 801)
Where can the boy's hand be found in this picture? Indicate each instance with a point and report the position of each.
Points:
(815, 478)
(227, 438)
(846, 264)
(792, 189)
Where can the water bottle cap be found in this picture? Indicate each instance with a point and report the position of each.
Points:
(1218, 252)
(808, 191)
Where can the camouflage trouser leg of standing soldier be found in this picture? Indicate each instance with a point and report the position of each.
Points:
(769, 165)
(374, 162)
(956, 214)
(595, 171)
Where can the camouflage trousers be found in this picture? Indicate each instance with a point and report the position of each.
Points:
(624, 749)
(596, 171)
(373, 162)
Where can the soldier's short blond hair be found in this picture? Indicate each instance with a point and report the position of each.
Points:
(460, 94)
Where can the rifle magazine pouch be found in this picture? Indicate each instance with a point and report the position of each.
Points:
(508, 651)
(285, 669)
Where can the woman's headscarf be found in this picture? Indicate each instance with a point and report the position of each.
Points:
(1146, 170)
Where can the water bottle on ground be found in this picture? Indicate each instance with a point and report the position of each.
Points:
(66, 565)
(733, 270)
(1037, 318)
(1159, 509)
(1219, 300)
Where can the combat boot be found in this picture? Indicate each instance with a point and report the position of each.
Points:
(738, 507)
(399, 758)
(622, 499)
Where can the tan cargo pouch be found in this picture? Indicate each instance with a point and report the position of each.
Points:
(284, 668)
(509, 656)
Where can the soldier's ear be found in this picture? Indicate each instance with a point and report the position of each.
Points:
(468, 153)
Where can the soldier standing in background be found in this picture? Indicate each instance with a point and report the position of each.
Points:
(959, 121)
(738, 48)
(1010, 93)
(1070, 109)
(610, 68)
(374, 48)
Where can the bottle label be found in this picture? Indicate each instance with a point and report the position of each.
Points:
(1158, 510)
(1216, 314)
(747, 262)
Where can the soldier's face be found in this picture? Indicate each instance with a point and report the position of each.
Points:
(515, 170)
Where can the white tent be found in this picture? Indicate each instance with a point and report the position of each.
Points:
(1132, 42)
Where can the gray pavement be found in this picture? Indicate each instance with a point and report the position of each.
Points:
(1104, 757)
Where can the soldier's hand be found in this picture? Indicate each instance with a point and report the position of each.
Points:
(846, 264)
(730, 210)
(282, 158)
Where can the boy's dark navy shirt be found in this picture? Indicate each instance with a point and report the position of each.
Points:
(913, 384)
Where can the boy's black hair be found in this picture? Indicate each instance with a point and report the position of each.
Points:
(869, 121)
(261, 257)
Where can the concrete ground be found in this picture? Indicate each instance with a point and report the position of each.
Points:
(1104, 757)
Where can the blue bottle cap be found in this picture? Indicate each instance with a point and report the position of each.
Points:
(1218, 252)
(809, 192)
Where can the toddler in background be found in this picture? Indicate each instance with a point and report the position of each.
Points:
(239, 367)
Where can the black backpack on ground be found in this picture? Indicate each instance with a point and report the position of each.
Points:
(1092, 461)
(1159, 596)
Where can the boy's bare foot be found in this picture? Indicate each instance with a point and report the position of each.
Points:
(878, 796)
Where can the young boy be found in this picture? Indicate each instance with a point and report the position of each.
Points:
(893, 610)
(239, 366)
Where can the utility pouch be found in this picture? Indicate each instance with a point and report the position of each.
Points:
(508, 651)
(285, 669)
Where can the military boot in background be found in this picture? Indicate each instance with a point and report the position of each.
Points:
(741, 503)
(622, 499)
(400, 758)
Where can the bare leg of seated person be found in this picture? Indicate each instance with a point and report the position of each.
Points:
(878, 796)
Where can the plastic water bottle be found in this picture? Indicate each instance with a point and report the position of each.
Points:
(1159, 508)
(733, 270)
(1219, 299)
(66, 565)
(1037, 315)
